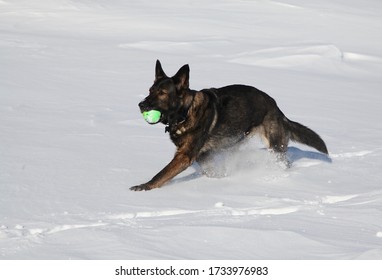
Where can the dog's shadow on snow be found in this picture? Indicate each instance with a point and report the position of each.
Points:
(294, 154)
(189, 177)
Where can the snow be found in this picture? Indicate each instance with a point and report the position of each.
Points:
(72, 139)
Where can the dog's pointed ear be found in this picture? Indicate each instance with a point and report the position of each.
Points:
(181, 78)
(159, 73)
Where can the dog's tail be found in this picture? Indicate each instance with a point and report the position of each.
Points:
(305, 135)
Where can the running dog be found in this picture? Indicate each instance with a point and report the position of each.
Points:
(205, 122)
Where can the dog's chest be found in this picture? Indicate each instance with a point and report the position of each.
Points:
(177, 133)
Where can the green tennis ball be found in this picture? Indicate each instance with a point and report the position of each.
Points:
(152, 116)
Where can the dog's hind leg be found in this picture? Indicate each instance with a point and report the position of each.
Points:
(277, 138)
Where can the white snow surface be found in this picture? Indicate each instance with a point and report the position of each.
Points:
(72, 139)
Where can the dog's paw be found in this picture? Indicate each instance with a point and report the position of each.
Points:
(142, 187)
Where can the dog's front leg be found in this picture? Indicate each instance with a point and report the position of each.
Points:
(179, 163)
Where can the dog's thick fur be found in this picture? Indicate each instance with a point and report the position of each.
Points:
(203, 123)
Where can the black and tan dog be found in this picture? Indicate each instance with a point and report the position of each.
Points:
(203, 123)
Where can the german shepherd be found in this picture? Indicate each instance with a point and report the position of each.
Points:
(205, 122)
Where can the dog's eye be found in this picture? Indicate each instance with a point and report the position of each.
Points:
(162, 92)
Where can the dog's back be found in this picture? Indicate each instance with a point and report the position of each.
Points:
(240, 108)
(244, 111)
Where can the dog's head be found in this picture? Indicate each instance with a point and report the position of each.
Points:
(166, 94)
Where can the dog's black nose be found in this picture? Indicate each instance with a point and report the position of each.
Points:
(142, 105)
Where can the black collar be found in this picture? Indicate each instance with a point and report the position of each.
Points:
(176, 119)
(179, 117)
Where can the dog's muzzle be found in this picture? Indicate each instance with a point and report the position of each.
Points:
(144, 105)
